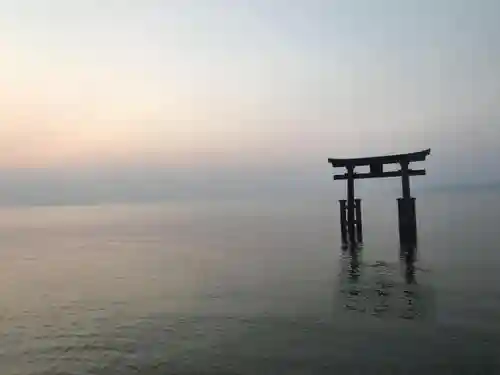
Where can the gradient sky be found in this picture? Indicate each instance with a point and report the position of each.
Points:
(116, 96)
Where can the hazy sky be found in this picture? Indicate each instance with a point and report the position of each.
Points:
(120, 95)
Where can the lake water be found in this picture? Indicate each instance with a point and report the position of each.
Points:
(249, 288)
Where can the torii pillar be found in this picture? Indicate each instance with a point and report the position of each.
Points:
(406, 210)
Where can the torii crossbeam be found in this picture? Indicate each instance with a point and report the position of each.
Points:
(351, 223)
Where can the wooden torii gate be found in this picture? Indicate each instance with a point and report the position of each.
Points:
(350, 209)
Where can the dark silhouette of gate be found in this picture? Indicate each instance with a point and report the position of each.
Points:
(350, 209)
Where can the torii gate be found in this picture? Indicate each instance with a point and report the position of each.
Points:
(350, 213)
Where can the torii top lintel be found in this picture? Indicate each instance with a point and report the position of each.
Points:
(376, 164)
(386, 159)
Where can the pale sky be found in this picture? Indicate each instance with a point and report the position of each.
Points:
(142, 88)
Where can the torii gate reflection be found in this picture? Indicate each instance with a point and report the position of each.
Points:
(350, 209)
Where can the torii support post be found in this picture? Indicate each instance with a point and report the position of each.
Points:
(351, 218)
(407, 220)
(344, 227)
(343, 221)
(359, 221)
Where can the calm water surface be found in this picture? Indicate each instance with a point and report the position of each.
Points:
(248, 288)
